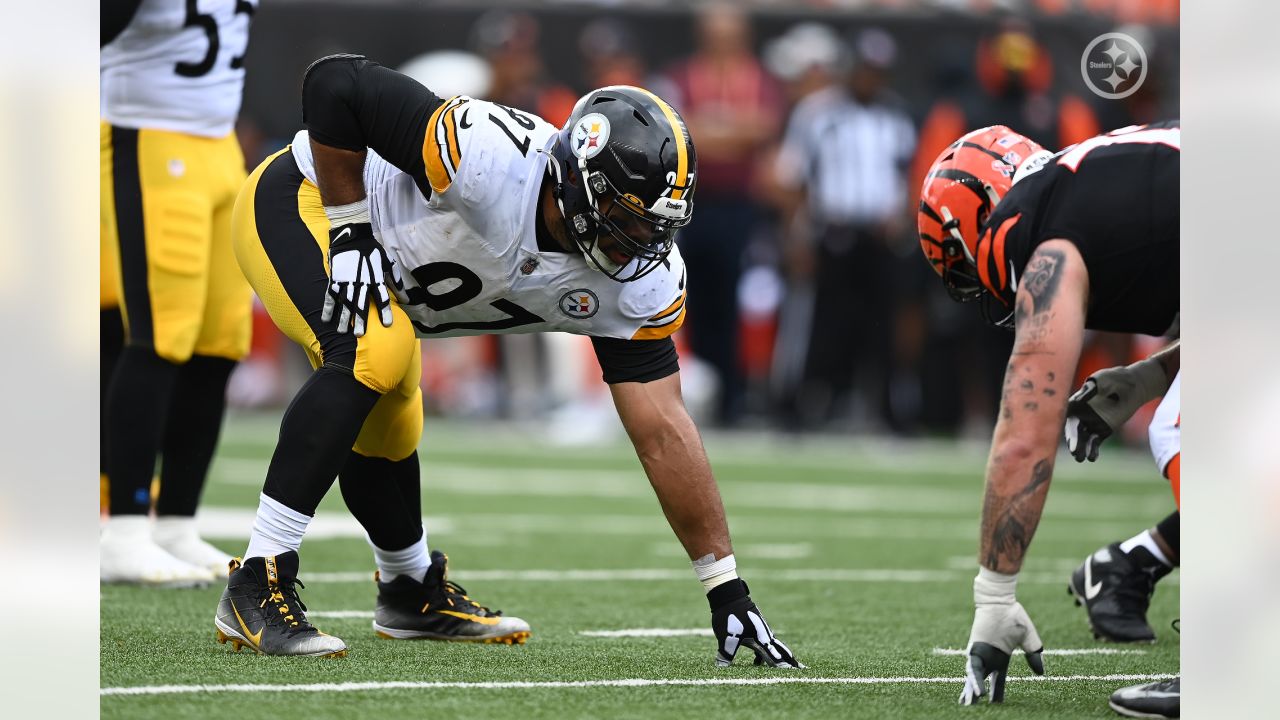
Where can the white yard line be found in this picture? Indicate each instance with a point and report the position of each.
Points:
(1052, 651)
(864, 575)
(649, 632)
(464, 479)
(566, 684)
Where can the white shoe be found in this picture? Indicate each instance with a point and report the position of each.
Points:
(129, 555)
(178, 536)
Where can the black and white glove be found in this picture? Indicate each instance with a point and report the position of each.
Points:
(1000, 625)
(737, 623)
(1106, 400)
(358, 269)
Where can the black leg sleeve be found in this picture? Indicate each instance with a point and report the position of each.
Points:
(110, 343)
(191, 433)
(316, 435)
(385, 497)
(1170, 529)
(136, 407)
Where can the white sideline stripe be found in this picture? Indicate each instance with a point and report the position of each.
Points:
(658, 574)
(1059, 651)
(627, 682)
(649, 632)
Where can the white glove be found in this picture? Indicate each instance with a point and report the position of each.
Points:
(1000, 625)
(1106, 400)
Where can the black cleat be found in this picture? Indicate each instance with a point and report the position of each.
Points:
(261, 610)
(1160, 699)
(437, 609)
(1115, 588)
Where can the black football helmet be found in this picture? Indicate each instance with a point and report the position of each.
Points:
(624, 169)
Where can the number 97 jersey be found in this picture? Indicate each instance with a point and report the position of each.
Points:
(469, 253)
(178, 66)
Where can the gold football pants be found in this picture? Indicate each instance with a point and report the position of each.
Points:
(165, 217)
(281, 239)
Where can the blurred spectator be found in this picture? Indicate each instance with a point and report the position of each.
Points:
(732, 107)
(610, 55)
(509, 42)
(844, 158)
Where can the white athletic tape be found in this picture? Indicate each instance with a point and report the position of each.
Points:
(1059, 651)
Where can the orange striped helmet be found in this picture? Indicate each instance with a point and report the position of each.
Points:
(960, 191)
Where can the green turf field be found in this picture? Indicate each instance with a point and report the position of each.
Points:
(861, 555)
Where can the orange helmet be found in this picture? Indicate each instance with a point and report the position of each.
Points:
(960, 191)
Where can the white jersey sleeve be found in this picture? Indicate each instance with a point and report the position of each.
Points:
(178, 66)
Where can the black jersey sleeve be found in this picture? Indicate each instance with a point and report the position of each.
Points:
(636, 360)
(352, 103)
(115, 17)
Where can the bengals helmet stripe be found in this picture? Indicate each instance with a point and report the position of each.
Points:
(679, 132)
(951, 220)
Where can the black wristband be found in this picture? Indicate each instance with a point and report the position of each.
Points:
(725, 593)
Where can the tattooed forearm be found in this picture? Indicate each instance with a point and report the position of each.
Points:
(1009, 520)
(1042, 277)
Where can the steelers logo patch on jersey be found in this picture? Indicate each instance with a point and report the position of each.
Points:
(590, 135)
(581, 303)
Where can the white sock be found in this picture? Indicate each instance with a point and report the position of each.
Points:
(276, 530)
(127, 529)
(712, 572)
(412, 561)
(172, 528)
(1145, 540)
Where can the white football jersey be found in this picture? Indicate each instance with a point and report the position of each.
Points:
(470, 254)
(179, 66)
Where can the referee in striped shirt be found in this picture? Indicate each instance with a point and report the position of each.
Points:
(843, 160)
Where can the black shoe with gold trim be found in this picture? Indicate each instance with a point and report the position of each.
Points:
(261, 610)
(437, 609)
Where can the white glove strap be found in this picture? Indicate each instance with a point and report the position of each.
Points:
(991, 587)
(356, 212)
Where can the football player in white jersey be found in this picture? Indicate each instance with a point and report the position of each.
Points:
(476, 218)
(171, 78)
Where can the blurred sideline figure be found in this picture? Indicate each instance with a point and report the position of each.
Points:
(843, 159)
(733, 107)
(398, 215)
(1049, 245)
(171, 83)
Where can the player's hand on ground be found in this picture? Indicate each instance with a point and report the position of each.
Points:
(357, 274)
(1000, 625)
(1105, 401)
(738, 623)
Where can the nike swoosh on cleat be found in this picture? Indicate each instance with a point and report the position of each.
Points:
(473, 618)
(255, 639)
(1091, 589)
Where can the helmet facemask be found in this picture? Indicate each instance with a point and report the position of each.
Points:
(616, 171)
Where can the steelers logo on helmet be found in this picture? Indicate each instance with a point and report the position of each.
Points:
(590, 135)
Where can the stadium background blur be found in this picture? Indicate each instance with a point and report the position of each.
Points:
(914, 363)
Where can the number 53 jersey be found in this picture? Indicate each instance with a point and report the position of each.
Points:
(469, 253)
(178, 65)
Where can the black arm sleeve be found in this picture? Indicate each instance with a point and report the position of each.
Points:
(636, 360)
(352, 103)
(116, 15)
